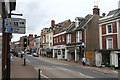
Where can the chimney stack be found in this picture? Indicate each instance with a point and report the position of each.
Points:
(96, 10)
(52, 23)
(35, 35)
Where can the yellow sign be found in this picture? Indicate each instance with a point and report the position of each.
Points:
(90, 54)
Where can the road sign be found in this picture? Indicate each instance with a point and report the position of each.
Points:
(15, 25)
(1, 25)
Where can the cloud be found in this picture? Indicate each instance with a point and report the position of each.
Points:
(39, 13)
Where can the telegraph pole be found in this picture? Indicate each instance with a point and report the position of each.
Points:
(4, 45)
(6, 38)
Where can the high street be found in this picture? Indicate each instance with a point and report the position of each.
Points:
(56, 69)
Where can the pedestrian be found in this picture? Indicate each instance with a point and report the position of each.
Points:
(21, 55)
(83, 60)
(11, 57)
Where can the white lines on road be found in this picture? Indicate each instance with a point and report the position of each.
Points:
(85, 75)
(42, 75)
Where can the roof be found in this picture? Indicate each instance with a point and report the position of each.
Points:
(115, 12)
(84, 21)
(71, 27)
(112, 15)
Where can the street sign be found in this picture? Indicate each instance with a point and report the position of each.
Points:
(0, 25)
(15, 25)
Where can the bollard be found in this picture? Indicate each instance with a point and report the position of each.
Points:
(39, 77)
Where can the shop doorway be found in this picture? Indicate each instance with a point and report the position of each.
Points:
(106, 59)
(119, 61)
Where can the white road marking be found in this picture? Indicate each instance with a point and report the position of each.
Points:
(85, 75)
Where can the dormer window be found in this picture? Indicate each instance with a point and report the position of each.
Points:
(109, 28)
(77, 22)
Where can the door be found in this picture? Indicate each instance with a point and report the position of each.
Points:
(119, 61)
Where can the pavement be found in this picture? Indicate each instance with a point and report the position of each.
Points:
(19, 71)
(105, 70)
(0, 68)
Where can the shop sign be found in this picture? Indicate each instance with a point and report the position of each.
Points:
(90, 54)
(59, 47)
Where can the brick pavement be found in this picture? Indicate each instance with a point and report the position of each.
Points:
(19, 71)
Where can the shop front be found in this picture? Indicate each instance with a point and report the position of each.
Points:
(107, 58)
(59, 51)
(74, 53)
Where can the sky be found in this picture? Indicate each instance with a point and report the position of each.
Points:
(39, 13)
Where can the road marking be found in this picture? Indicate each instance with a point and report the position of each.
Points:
(85, 75)
(43, 75)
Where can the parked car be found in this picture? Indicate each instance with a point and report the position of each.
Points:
(35, 55)
(19, 54)
(22, 52)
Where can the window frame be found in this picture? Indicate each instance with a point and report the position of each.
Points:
(107, 43)
(107, 30)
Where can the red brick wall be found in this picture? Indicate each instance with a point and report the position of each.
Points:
(103, 29)
(114, 26)
(73, 37)
(60, 43)
(83, 36)
(114, 41)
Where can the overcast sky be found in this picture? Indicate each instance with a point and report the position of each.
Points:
(39, 13)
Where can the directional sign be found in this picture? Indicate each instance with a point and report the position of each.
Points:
(15, 25)
(9, 29)
(1, 25)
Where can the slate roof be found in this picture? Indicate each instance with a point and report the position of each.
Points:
(114, 12)
(85, 21)
(71, 27)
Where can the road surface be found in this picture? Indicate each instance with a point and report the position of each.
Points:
(55, 69)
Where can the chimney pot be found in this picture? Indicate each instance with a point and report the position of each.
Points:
(96, 10)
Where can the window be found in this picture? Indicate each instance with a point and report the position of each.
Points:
(109, 28)
(63, 38)
(47, 37)
(68, 38)
(54, 40)
(43, 39)
(110, 43)
(60, 39)
(50, 44)
(50, 37)
(57, 39)
(78, 36)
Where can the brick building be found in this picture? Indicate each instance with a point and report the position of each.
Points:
(109, 40)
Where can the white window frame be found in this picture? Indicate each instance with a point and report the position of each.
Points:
(107, 28)
(68, 38)
(107, 45)
(78, 36)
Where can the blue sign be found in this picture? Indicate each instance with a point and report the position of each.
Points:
(9, 29)
(0, 29)
(6, 23)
